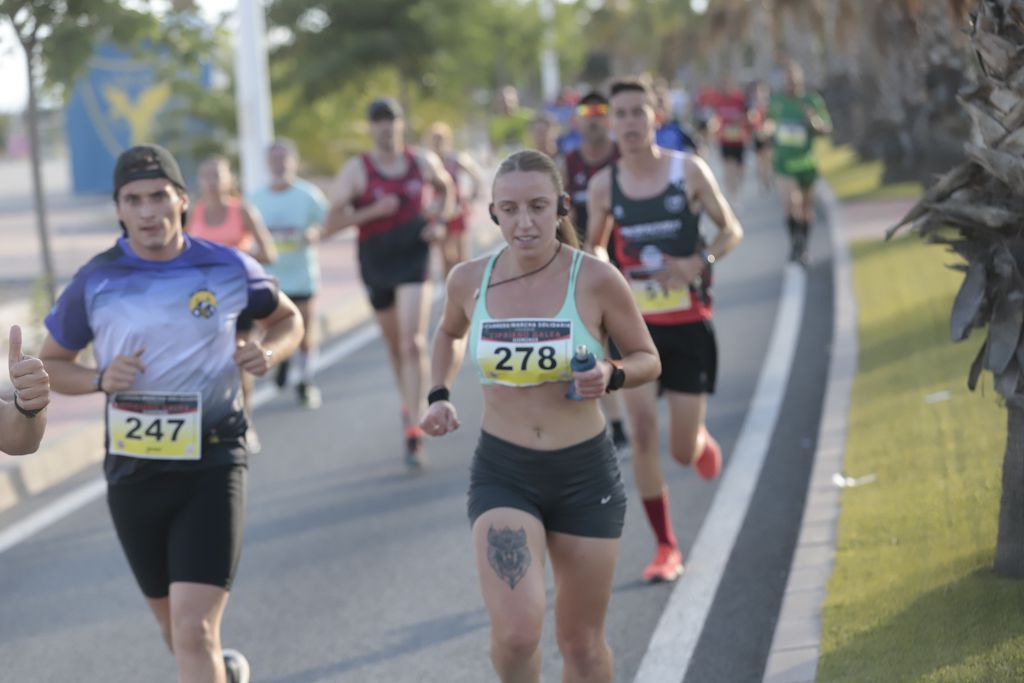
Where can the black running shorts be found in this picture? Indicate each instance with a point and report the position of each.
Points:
(181, 526)
(576, 490)
(689, 356)
(396, 257)
(732, 151)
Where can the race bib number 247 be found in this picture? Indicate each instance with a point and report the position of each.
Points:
(155, 426)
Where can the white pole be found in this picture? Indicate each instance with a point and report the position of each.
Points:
(549, 77)
(252, 94)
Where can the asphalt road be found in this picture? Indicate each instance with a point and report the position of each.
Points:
(354, 570)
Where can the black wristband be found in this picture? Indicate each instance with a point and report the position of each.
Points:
(99, 381)
(438, 394)
(618, 377)
(26, 413)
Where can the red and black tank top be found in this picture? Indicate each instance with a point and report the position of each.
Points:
(579, 173)
(648, 229)
(408, 188)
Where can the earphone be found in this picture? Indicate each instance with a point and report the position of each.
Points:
(562, 210)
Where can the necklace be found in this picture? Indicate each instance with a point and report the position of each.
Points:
(491, 285)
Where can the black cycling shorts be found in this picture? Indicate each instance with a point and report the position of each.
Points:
(576, 490)
(181, 526)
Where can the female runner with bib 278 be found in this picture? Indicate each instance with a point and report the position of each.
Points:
(544, 476)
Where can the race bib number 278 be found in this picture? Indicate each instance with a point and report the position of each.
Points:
(525, 352)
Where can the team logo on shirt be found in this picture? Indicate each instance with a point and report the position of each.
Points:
(618, 212)
(413, 187)
(674, 203)
(203, 304)
(581, 179)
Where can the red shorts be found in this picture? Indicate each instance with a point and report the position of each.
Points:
(457, 225)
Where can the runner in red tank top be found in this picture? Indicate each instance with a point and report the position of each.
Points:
(460, 166)
(382, 193)
(652, 199)
(762, 131)
(731, 124)
(580, 165)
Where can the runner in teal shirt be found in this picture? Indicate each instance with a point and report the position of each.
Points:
(294, 211)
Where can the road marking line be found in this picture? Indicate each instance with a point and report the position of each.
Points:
(93, 489)
(675, 638)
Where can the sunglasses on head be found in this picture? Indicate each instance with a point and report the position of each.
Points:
(588, 110)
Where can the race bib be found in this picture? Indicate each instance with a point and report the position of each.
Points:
(732, 133)
(155, 426)
(652, 297)
(525, 352)
(791, 135)
(287, 239)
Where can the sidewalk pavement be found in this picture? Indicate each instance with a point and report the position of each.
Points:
(81, 228)
(796, 646)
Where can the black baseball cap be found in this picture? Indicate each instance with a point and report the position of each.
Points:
(146, 161)
(384, 108)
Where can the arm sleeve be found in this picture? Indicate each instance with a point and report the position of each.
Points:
(262, 289)
(68, 321)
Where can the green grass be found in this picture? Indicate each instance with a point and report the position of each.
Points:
(852, 179)
(912, 596)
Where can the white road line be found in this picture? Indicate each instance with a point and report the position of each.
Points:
(93, 489)
(675, 638)
(54, 512)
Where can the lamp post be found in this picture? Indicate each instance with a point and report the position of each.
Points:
(252, 94)
(549, 77)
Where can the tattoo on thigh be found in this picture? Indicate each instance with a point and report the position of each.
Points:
(508, 554)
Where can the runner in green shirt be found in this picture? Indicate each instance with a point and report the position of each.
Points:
(797, 116)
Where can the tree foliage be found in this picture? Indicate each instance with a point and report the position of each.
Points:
(442, 58)
(62, 34)
(975, 209)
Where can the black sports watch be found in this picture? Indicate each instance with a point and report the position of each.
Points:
(707, 257)
(618, 377)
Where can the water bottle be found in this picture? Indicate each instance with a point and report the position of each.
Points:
(583, 360)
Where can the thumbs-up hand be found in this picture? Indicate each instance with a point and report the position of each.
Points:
(252, 357)
(120, 374)
(31, 383)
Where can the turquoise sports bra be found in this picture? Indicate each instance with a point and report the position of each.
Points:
(525, 352)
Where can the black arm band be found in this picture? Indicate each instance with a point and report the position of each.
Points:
(438, 394)
(26, 413)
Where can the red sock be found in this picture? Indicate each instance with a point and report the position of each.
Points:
(657, 515)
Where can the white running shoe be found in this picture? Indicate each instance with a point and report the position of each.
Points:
(236, 666)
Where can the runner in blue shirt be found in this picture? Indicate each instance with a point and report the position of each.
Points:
(160, 310)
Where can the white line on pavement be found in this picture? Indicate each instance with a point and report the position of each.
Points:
(54, 512)
(675, 638)
(93, 489)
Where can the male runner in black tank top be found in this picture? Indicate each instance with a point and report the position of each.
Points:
(392, 263)
(652, 199)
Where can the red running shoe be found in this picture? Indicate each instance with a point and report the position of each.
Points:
(666, 566)
(414, 448)
(709, 463)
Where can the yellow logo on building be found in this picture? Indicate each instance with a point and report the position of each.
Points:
(141, 112)
(203, 304)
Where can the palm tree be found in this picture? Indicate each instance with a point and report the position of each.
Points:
(975, 210)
